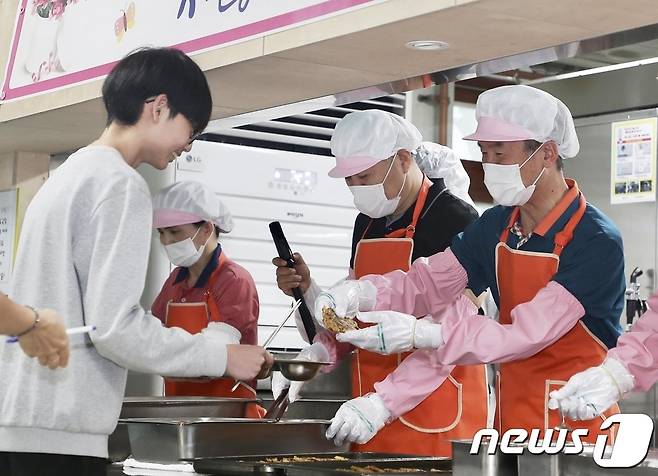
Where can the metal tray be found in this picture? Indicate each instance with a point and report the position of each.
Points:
(257, 465)
(261, 465)
(184, 407)
(170, 407)
(342, 468)
(169, 440)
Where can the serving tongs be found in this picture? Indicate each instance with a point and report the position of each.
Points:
(278, 406)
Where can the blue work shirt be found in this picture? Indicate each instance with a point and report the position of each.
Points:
(591, 266)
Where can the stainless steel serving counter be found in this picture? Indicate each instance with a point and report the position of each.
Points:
(526, 465)
(216, 441)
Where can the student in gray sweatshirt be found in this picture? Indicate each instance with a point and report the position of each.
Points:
(83, 251)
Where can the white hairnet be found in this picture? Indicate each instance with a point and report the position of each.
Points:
(522, 112)
(439, 161)
(408, 137)
(190, 202)
(363, 138)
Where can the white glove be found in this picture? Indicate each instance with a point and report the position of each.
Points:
(358, 420)
(222, 333)
(592, 391)
(316, 353)
(347, 298)
(395, 332)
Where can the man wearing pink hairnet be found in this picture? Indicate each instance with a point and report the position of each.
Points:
(553, 262)
(413, 197)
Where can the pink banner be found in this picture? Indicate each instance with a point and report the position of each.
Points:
(59, 43)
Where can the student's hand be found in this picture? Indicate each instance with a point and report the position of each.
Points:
(48, 341)
(247, 362)
(289, 278)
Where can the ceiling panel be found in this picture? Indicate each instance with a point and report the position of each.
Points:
(272, 81)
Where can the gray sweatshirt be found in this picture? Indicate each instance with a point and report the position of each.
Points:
(83, 251)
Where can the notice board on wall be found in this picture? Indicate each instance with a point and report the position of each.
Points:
(633, 169)
(8, 233)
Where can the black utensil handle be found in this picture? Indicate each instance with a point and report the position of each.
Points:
(285, 253)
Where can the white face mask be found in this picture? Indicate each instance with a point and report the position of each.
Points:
(505, 184)
(371, 199)
(184, 253)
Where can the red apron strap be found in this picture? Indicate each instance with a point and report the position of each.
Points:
(212, 304)
(410, 230)
(563, 237)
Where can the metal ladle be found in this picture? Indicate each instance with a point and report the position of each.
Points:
(291, 369)
(297, 370)
(269, 340)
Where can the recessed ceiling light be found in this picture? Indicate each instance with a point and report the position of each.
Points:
(427, 45)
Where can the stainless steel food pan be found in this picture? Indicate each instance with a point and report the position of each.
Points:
(168, 440)
(170, 407)
(184, 407)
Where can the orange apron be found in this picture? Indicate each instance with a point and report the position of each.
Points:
(442, 416)
(194, 317)
(523, 386)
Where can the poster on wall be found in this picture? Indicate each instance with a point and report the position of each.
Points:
(633, 171)
(8, 232)
(57, 43)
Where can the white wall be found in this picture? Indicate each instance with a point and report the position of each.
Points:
(463, 124)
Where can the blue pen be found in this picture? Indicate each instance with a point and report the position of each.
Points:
(71, 331)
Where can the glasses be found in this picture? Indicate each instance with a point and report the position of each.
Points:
(194, 136)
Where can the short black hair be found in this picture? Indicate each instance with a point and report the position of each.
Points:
(199, 224)
(532, 145)
(147, 72)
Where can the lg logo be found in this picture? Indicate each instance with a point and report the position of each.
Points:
(631, 444)
(192, 159)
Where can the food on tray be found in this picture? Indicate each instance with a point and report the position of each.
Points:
(337, 324)
(304, 459)
(371, 468)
